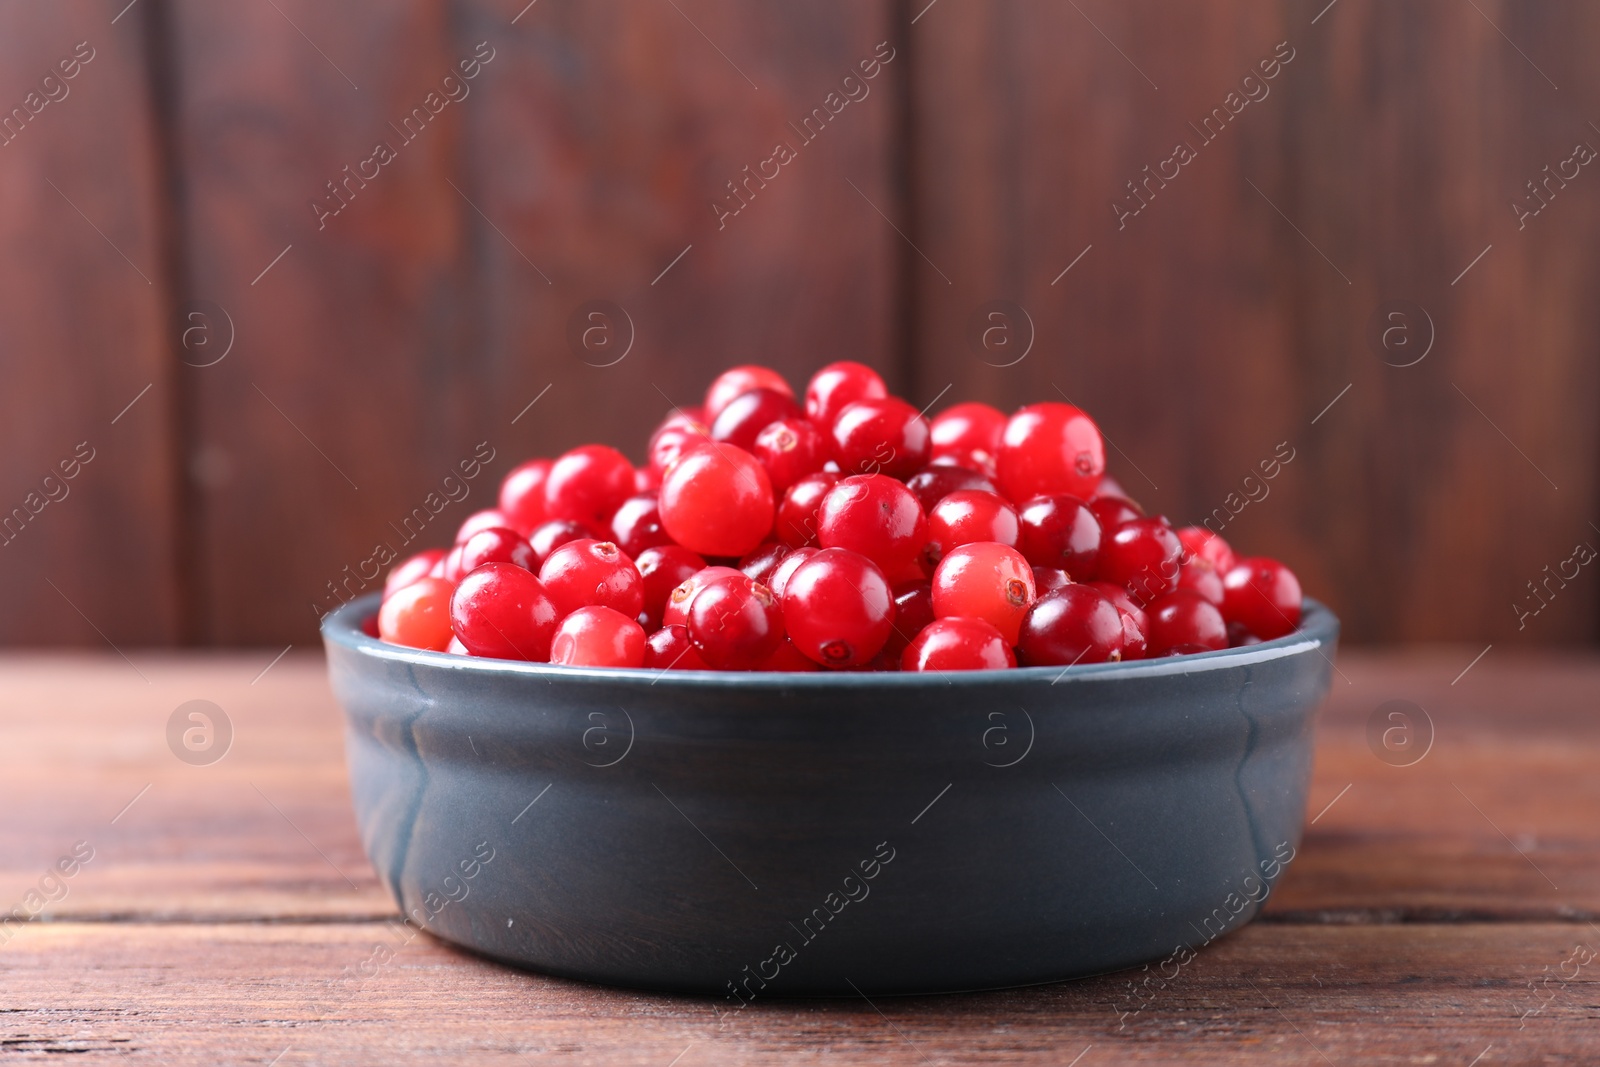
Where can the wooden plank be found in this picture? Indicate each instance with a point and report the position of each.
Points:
(267, 832)
(1270, 994)
(1226, 315)
(90, 556)
(426, 315)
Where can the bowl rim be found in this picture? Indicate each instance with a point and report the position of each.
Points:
(342, 627)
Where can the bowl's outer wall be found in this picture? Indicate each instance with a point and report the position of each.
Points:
(720, 838)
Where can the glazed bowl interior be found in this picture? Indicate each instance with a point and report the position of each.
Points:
(758, 835)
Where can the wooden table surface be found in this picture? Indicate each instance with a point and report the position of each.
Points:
(1445, 912)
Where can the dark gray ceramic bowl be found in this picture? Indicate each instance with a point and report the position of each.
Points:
(758, 835)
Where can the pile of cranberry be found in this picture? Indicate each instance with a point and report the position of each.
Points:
(840, 530)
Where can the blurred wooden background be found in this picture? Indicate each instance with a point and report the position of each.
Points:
(156, 213)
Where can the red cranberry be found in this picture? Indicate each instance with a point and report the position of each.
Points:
(1060, 531)
(932, 484)
(984, 581)
(486, 519)
(779, 578)
(717, 501)
(732, 384)
(1185, 620)
(759, 563)
(672, 438)
(1049, 579)
(1202, 543)
(552, 535)
(450, 568)
(584, 572)
(735, 623)
(788, 658)
(1113, 511)
(1109, 486)
(1141, 556)
(646, 481)
(746, 415)
(1050, 448)
(790, 449)
(1263, 596)
(957, 644)
(596, 636)
(502, 611)
(418, 614)
(966, 516)
(637, 525)
(669, 649)
(681, 597)
(413, 568)
(663, 569)
(838, 609)
(913, 611)
(1135, 623)
(587, 485)
(876, 516)
(838, 384)
(1071, 625)
(797, 516)
(968, 433)
(522, 495)
(885, 436)
(1202, 578)
(495, 545)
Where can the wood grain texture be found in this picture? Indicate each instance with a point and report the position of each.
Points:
(429, 312)
(1228, 313)
(1269, 995)
(83, 332)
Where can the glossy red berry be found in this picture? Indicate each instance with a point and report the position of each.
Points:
(746, 415)
(913, 611)
(877, 517)
(968, 433)
(1135, 623)
(637, 525)
(672, 438)
(935, 482)
(522, 495)
(788, 658)
(1113, 511)
(495, 545)
(966, 516)
(838, 384)
(884, 436)
(418, 614)
(731, 384)
(585, 572)
(759, 563)
(1050, 448)
(549, 536)
(502, 611)
(587, 485)
(779, 577)
(411, 569)
(1199, 576)
(717, 501)
(1049, 579)
(735, 623)
(663, 569)
(1202, 543)
(790, 449)
(486, 519)
(1142, 556)
(797, 515)
(450, 568)
(598, 637)
(1263, 596)
(986, 581)
(1060, 531)
(1071, 625)
(957, 644)
(669, 649)
(838, 609)
(1183, 620)
(676, 611)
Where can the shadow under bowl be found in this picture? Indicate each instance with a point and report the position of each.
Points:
(758, 835)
